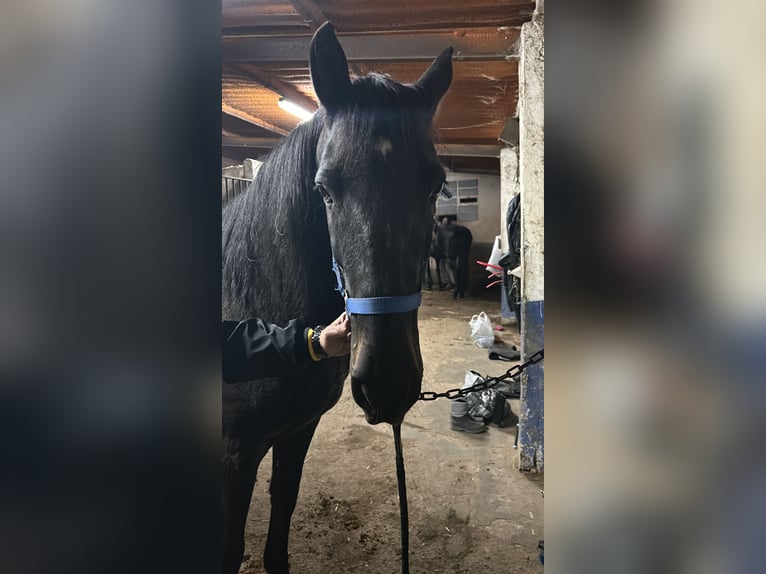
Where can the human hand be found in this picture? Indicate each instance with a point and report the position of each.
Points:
(335, 339)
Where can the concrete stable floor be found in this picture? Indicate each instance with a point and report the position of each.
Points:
(471, 509)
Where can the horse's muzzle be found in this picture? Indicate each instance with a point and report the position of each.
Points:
(386, 366)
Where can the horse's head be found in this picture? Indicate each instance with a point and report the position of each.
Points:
(379, 176)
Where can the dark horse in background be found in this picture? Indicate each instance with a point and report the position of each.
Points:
(358, 181)
(451, 244)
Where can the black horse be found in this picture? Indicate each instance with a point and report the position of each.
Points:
(358, 181)
(451, 243)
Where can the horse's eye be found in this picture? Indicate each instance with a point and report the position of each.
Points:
(324, 193)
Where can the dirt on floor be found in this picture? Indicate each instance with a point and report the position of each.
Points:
(470, 508)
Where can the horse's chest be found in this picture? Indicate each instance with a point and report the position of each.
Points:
(276, 407)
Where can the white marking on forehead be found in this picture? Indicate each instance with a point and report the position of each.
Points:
(384, 146)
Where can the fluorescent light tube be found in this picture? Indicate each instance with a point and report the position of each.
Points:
(295, 109)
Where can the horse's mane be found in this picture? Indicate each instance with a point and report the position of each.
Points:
(267, 258)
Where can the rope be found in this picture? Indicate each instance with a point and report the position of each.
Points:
(403, 515)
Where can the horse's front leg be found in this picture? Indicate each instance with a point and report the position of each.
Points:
(239, 471)
(461, 266)
(441, 266)
(451, 268)
(288, 456)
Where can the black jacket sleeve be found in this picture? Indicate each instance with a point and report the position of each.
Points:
(254, 349)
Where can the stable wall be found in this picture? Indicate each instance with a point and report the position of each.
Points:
(484, 230)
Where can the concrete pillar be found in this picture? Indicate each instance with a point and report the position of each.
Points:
(531, 178)
(509, 186)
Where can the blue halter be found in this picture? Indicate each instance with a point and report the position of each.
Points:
(375, 305)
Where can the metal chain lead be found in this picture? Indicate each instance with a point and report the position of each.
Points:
(485, 384)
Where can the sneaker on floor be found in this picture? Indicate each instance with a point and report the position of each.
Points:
(462, 419)
(468, 424)
(504, 353)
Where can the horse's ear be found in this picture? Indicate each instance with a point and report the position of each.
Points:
(436, 80)
(329, 69)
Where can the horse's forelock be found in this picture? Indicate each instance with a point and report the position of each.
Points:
(380, 108)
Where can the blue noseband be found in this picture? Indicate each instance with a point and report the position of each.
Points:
(375, 305)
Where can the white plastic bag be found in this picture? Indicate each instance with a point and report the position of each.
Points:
(481, 331)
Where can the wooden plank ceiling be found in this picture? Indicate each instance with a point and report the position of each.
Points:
(265, 57)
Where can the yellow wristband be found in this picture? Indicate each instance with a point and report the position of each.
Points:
(312, 354)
